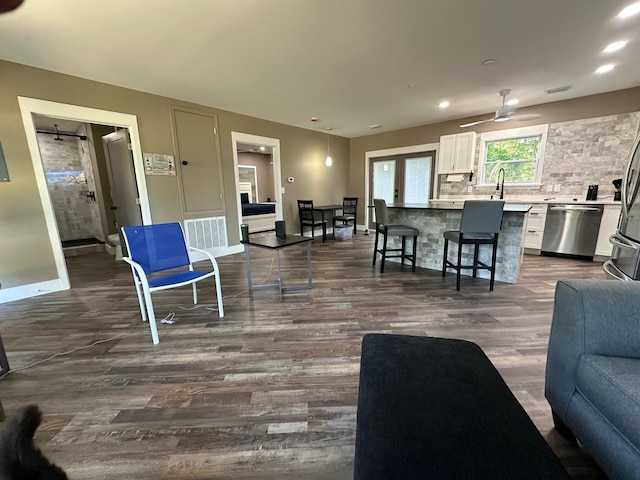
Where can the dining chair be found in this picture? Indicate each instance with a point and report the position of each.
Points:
(480, 225)
(404, 231)
(309, 218)
(349, 213)
(159, 259)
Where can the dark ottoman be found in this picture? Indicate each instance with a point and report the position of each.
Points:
(433, 408)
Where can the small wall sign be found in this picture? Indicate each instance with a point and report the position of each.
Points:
(159, 164)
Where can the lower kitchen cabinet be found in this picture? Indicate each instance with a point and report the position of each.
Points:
(535, 226)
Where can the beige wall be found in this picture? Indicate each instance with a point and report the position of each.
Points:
(25, 254)
(622, 101)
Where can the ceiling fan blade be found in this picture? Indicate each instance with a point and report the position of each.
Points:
(464, 125)
(525, 117)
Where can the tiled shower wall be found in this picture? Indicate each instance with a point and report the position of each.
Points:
(578, 153)
(67, 166)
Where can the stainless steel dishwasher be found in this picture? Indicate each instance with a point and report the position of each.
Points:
(572, 229)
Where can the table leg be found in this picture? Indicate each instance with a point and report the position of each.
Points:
(279, 275)
(309, 263)
(247, 261)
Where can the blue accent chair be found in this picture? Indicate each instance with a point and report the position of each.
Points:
(159, 259)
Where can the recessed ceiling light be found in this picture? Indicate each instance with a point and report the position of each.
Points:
(614, 47)
(629, 11)
(513, 101)
(327, 128)
(604, 68)
(488, 61)
(412, 85)
(376, 125)
(263, 148)
(443, 104)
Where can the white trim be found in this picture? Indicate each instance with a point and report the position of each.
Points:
(274, 144)
(32, 290)
(33, 106)
(533, 131)
(397, 151)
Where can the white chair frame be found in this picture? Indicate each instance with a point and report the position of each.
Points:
(144, 290)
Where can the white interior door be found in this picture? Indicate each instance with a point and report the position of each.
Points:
(124, 192)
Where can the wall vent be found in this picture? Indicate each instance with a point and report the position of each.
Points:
(206, 233)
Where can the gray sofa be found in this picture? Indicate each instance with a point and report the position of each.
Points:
(593, 371)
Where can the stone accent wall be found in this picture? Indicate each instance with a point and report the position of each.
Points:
(433, 223)
(65, 165)
(577, 154)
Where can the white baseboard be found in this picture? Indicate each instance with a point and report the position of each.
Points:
(31, 290)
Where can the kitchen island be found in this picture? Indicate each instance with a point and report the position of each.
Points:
(438, 216)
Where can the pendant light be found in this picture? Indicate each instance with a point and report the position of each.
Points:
(328, 161)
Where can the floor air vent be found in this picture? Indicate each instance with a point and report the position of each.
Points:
(206, 233)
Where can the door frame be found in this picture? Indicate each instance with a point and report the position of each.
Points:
(274, 144)
(397, 151)
(31, 106)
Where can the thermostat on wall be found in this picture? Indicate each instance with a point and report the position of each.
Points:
(290, 180)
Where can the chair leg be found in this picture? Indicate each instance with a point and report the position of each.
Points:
(324, 232)
(402, 254)
(152, 318)
(493, 262)
(384, 252)
(355, 231)
(444, 258)
(458, 269)
(375, 248)
(219, 293)
(195, 294)
(476, 251)
(415, 251)
(143, 308)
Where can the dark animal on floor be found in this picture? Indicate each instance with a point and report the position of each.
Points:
(19, 457)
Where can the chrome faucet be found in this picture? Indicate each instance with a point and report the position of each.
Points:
(500, 186)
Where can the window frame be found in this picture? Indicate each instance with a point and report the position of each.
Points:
(511, 134)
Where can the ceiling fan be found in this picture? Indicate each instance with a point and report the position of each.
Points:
(504, 112)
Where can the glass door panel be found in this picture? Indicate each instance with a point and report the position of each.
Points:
(384, 180)
(417, 179)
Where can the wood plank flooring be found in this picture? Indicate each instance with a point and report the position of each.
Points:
(270, 390)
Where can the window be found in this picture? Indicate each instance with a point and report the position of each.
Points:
(519, 151)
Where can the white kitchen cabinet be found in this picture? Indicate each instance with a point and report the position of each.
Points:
(608, 226)
(534, 229)
(456, 152)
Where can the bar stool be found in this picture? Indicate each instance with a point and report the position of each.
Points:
(480, 224)
(404, 231)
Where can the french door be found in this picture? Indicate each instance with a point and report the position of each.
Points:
(402, 178)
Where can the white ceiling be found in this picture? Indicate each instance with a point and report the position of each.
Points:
(346, 62)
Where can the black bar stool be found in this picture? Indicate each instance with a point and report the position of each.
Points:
(481, 221)
(404, 231)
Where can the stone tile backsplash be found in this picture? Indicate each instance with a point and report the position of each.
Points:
(578, 153)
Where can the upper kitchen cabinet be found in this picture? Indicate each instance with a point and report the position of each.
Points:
(456, 153)
(199, 165)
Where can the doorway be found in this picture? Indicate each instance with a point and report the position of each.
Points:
(271, 189)
(402, 178)
(429, 148)
(29, 108)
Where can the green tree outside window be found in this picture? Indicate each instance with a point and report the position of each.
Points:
(518, 157)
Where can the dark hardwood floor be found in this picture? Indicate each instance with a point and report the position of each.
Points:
(270, 390)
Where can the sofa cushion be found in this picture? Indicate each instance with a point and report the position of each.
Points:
(612, 385)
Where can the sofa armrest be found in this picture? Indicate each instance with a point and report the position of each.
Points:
(600, 317)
